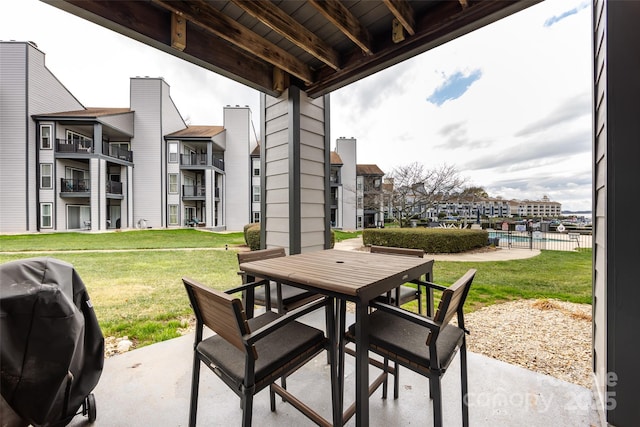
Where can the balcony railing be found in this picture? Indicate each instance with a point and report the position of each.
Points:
(118, 152)
(74, 185)
(193, 191)
(71, 146)
(200, 159)
(114, 187)
(86, 146)
(218, 162)
(193, 159)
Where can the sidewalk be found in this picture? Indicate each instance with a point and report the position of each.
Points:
(499, 254)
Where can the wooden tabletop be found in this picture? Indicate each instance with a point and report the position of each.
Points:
(348, 273)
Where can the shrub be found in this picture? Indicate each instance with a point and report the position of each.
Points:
(431, 240)
(252, 236)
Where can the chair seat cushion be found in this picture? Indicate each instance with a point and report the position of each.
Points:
(290, 294)
(405, 341)
(407, 293)
(289, 344)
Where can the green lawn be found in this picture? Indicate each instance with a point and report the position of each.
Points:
(139, 294)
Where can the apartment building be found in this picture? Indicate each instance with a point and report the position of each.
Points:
(64, 166)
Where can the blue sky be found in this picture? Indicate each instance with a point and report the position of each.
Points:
(508, 105)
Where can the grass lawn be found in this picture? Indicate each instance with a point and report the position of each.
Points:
(139, 293)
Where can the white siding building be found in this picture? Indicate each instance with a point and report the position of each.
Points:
(67, 167)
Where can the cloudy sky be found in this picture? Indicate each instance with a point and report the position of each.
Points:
(508, 105)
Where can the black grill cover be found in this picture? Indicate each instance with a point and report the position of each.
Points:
(52, 348)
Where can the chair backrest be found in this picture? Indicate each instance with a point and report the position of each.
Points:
(220, 312)
(419, 253)
(453, 298)
(260, 255)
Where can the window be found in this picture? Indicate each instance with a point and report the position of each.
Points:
(173, 152)
(256, 193)
(45, 215)
(173, 183)
(256, 217)
(256, 168)
(45, 137)
(46, 178)
(173, 214)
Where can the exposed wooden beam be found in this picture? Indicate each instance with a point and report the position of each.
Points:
(343, 19)
(178, 32)
(464, 3)
(433, 29)
(403, 12)
(274, 18)
(209, 19)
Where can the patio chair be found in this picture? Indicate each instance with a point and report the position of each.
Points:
(406, 293)
(426, 346)
(284, 297)
(250, 354)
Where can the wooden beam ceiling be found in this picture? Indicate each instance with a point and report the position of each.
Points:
(318, 45)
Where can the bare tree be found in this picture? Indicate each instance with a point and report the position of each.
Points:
(416, 189)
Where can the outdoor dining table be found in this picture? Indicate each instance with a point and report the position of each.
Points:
(353, 276)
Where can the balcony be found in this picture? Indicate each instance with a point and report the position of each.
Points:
(118, 152)
(193, 192)
(64, 146)
(114, 187)
(75, 187)
(72, 146)
(200, 160)
(193, 159)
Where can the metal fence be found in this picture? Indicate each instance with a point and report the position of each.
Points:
(555, 241)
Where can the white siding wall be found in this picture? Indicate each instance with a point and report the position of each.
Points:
(155, 116)
(237, 200)
(27, 88)
(123, 122)
(346, 148)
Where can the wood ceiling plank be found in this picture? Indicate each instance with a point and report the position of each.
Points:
(343, 19)
(211, 20)
(280, 22)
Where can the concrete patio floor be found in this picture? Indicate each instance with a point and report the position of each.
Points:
(151, 386)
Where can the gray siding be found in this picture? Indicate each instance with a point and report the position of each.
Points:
(294, 156)
(599, 219)
(312, 173)
(616, 174)
(276, 216)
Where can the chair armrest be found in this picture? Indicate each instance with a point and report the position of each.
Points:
(246, 286)
(407, 315)
(429, 284)
(256, 335)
